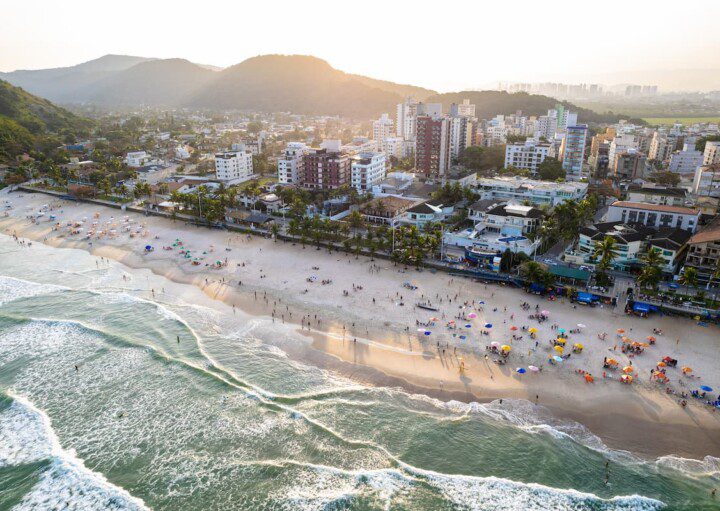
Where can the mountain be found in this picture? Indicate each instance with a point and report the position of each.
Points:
(26, 119)
(419, 93)
(490, 103)
(299, 84)
(62, 84)
(155, 82)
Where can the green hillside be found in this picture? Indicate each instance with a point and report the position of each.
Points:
(27, 121)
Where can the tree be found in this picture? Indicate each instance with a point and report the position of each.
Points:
(606, 250)
(689, 277)
(700, 143)
(550, 169)
(652, 269)
(356, 220)
(665, 178)
(274, 230)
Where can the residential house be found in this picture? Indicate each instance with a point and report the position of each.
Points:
(654, 215)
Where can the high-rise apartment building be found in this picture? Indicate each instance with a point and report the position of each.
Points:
(432, 145)
(382, 128)
(574, 150)
(234, 166)
(325, 168)
(406, 119)
(290, 163)
(464, 109)
(367, 169)
(527, 155)
(711, 155)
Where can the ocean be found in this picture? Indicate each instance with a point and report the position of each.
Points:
(179, 403)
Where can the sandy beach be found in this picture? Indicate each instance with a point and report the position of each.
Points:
(363, 324)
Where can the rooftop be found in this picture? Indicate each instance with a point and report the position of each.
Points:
(517, 182)
(710, 233)
(655, 207)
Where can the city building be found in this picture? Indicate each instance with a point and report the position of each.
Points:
(405, 119)
(432, 145)
(687, 160)
(421, 214)
(464, 109)
(519, 189)
(711, 155)
(393, 146)
(704, 252)
(234, 166)
(462, 135)
(137, 159)
(386, 210)
(290, 163)
(527, 155)
(622, 143)
(367, 170)
(629, 165)
(706, 182)
(655, 216)
(382, 128)
(325, 168)
(573, 153)
(666, 196)
(661, 147)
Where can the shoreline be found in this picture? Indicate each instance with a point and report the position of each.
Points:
(642, 420)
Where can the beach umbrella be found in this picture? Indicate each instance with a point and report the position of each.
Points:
(557, 359)
(612, 361)
(545, 313)
(495, 344)
(428, 333)
(580, 325)
(505, 347)
(148, 247)
(559, 349)
(520, 370)
(578, 345)
(481, 302)
(560, 341)
(488, 325)
(626, 378)
(620, 331)
(686, 369)
(472, 315)
(589, 378)
(651, 338)
(421, 330)
(628, 369)
(706, 388)
(662, 364)
(532, 330)
(468, 325)
(463, 337)
(561, 330)
(513, 328)
(534, 369)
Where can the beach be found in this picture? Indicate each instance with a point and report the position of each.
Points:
(356, 325)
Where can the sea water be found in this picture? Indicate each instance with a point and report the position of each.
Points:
(224, 419)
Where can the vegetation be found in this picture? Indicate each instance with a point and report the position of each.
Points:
(536, 273)
(700, 143)
(607, 251)
(665, 178)
(483, 159)
(551, 169)
(651, 272)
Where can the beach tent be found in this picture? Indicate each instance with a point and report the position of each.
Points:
(588, 298)
(641, 307)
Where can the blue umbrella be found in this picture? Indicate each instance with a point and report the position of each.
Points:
(481, 302)
(488, 325)
(520, 370)
(706, 388)
(561, 330)
(427, 333)
(463, 337)
(557, 359)
(468, 326)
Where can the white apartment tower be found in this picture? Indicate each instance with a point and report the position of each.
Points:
(367, 170)
(405, 125)
(711, 156)
(382, 128)
(234, 166)
(528, 155)
(291, 162)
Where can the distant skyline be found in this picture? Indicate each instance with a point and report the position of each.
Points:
(465, 45)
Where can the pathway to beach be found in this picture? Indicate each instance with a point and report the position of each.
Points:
(359, 318)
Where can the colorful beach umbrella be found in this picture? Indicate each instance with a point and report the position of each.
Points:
(557, 359)
(628, 369)
(472, 315)
(532, 330)
(706, 388)
(534, 369)
(505, 347)
(513, 328)
(520, 370)
(559, 349)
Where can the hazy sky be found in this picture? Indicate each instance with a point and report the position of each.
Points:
(444, 45)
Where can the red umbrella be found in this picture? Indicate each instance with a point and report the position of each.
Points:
(513, 328)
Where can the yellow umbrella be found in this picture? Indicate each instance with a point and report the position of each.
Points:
(505, 347)
(628, 369)
(686, 369)
(532, 330)
(560, 340)
(578, 345)
(559, 349)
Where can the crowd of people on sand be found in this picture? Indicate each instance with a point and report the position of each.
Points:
(466, 314)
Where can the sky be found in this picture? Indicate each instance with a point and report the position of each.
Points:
(448, 45)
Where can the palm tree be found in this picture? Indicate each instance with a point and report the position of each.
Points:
(689, 277)
(356, 221)
(534, 272)
(652, 269)
(606, 250)
(274, 230)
